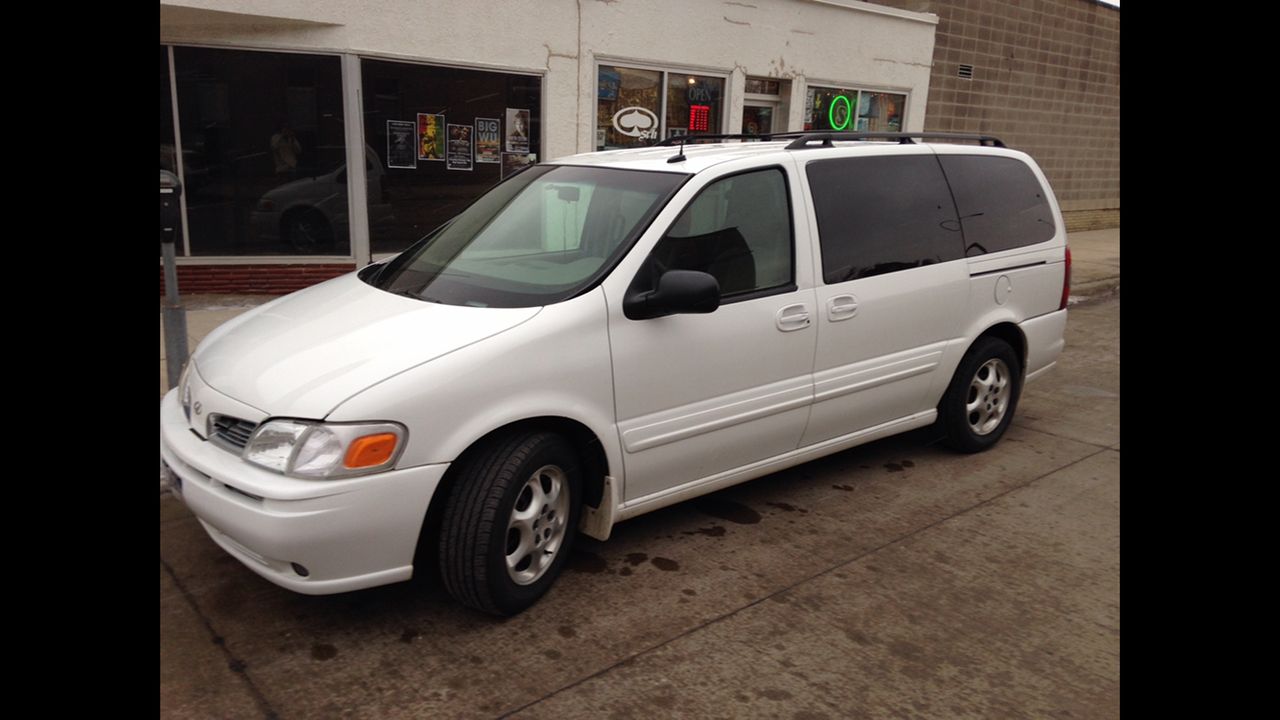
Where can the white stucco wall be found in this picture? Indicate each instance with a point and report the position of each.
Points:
(823, 42)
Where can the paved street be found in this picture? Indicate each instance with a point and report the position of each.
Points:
(897, 579)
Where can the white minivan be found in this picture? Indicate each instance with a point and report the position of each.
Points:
(610, 333)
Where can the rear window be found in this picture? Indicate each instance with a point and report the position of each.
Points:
(1001, 203)
(878, 215)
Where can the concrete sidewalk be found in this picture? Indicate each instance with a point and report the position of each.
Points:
(1095, 257)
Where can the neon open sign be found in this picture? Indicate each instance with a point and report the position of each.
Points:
(845, 118)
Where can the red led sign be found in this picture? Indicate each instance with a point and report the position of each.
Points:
(699, 118)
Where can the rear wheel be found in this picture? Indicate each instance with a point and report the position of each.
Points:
(980, 402)
(509, 525)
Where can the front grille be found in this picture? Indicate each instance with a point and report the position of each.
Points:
(230, 432)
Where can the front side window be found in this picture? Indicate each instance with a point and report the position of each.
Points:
(542, 236)
(878, 215)
(738, 230)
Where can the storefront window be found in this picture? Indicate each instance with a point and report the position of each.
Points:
(263, 152)
(438, 138)
(693, 104)
(880, 112)
(850, 110)
(628, 107)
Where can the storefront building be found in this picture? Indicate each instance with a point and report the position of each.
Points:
(312, 137)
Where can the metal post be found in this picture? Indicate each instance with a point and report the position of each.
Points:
(175, 320)
(175, 317)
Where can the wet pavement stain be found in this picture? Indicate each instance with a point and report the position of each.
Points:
(551, 654)
(237, 666)
(587, 562)
(665, 564)
(713, 531)
(323, 651)
(893, 467)
(846, 488)
(567, 631)
(625, 572)
(727, 510)
(408, 635)
(787, 507)
(907, 463)
(689, 591)
(635, 559)
(774, 694)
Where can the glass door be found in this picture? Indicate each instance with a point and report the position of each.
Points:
(757, 117)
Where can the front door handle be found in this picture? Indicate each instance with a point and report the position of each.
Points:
(793, 317)
(842, 307)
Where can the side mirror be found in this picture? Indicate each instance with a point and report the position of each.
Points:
(679, 291)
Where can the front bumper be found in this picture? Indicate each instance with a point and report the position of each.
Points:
(348, 534)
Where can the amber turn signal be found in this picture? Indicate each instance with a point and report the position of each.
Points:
(370, 450)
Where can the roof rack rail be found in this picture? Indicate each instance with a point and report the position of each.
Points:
(682, 139)
(802, 139)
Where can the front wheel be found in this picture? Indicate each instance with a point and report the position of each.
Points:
(979, 403)
(510, 522)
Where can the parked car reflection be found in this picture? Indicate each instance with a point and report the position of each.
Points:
(309, 215)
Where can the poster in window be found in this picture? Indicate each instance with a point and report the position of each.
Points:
(517, 130)
(609, 82)
(459, 147)
(513, 163)
(488, 140)
(400, 144)
(430, 137)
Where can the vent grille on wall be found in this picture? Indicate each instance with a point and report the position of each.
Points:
(966, 72)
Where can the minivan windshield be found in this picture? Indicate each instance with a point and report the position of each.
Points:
(542, 236)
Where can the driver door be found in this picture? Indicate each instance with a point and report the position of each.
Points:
(699, 396)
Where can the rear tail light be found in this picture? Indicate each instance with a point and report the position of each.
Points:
(1066, 280)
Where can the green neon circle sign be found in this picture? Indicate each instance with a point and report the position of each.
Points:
(831, 113)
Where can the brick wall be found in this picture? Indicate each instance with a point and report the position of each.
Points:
(1046, 80)
(1091, 219)
(252, 279)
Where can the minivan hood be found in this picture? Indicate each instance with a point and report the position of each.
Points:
(302, 355)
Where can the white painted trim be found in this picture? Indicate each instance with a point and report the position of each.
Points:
(926, 18)
(357, 178)
(358, 52)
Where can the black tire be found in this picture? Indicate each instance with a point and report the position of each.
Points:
(975, 412)
(475, 533)
(308, 232)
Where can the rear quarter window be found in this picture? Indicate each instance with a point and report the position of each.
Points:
(1001, 203)
(884, 214)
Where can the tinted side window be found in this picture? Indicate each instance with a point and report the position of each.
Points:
(882, 214)
(738, 229)
(1001, 203)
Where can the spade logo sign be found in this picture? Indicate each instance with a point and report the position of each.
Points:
(636, 122)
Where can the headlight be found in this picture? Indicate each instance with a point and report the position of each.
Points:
(325, 450)
(184, 390)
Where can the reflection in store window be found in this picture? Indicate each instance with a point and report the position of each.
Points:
(263, 152)
(627, 107)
